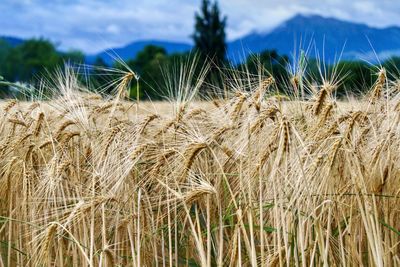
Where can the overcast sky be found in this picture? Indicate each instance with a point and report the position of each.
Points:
(92, 25)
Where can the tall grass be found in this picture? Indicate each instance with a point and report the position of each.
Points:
(250, 181)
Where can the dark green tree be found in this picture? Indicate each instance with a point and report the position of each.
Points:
(147, 64)
(392, 66)
(99, 62)
(73, 57)
(267, 62)
(209, 35)
(4, 50)
(31, 58)
(270, 60)
(98, 79)
(357, 77)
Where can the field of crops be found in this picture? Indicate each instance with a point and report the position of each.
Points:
(246, 180)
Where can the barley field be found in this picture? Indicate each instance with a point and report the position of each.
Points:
(248, 179)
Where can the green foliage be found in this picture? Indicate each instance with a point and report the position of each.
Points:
(38, 57)
(4, 51)
(392, 66)
(353, 77)
(147, 65)
(133, 92)
(31, 58)
(209, 36)
(312, 70)
(269, 63)
(73, 56)
(357, 77)
(30, 61)
(270, 60)
(210, 42)
(97, 77)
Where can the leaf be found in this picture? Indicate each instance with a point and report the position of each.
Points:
(343, 224)
(268, 205)
(267, 229)
(189, 262)
(6, 245)
(390, 227)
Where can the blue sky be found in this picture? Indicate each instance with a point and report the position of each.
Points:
(91, 25)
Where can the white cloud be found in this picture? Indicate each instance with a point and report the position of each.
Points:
(94, 25)
(113, 29)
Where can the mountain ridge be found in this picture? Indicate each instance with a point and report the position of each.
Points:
(330, 36)
(325, 37)
(126, 52)
(12, 41)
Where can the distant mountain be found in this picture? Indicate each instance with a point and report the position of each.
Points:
(129, 51)
(327, 36)
(13, 41)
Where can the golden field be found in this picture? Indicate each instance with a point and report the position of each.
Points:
(246, 180)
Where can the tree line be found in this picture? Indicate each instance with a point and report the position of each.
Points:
(35, 59)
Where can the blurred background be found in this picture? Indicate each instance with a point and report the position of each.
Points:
(353, 38)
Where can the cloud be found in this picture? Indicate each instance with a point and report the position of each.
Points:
(92, 25)
(113, 29)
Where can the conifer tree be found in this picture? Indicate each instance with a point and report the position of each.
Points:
(209, 36)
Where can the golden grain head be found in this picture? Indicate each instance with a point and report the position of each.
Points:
(241, 181)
